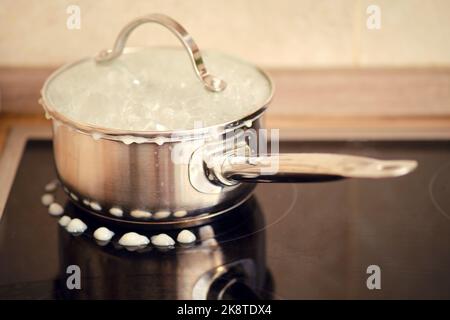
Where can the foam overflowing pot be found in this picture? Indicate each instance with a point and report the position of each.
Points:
(141, 91)
(142, 137)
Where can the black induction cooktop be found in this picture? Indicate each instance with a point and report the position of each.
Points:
(288, 241)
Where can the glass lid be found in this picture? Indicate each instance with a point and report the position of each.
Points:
(157, 89)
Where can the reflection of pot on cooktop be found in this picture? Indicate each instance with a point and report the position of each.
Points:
(227, 261)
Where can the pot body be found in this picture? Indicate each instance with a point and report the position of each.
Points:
(114, 179)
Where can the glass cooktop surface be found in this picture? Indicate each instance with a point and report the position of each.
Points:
(288, 241)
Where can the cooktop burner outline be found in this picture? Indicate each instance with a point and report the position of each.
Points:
(432, 185)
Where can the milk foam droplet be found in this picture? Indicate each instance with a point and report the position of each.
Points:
(51, 186)
(127, 140)
(47, 199)
(55, 209)
(180, 213)
(133, 239)
(103, 234)
(162, 214)
(97, 136)
(116, 211)
(186, 236)
(139, 140)
(159, 141)
(64, 221)
(76, 226)
(140, 214)
(95, 206)
(162, 240)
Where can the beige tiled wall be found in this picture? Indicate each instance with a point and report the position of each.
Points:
(273, 33)
(414, 32)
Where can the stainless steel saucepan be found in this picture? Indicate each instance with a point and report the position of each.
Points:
(183, 175)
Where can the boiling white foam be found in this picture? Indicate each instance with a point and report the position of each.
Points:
(161, 214)
(103, 234)
(51, 186)
(156, 89)
(47, 199)
(140, 214)
(95, 206)
(55, 209)
(133, 239)
(64, 221)
(162, 240)
(116, 211)
(180, 213)
(186, 236)
(76, 226)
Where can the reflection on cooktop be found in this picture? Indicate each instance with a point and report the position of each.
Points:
(439, 189)
(288, 241)
(228, 252)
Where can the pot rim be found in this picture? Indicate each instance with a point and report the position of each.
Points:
(177, 134)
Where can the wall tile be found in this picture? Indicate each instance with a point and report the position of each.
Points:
(413, 33)
(280, 33)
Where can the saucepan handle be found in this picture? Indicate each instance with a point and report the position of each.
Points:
(308, 167)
